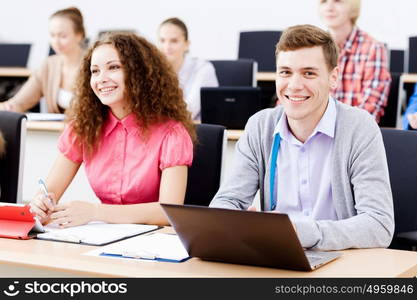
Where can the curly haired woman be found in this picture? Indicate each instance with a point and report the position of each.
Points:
(130, 127)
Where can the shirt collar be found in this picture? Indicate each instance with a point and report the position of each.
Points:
(347, 46)
(129, 123)
(326, 125)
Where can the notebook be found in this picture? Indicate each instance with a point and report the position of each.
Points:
(243, 237)
(229, 106)
(14, 55)
(95, 233)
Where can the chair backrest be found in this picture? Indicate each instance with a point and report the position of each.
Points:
(396, 60)
(13, 127)
(389, 119)
(401, 149)
(260, 46)
(204, 176)
(240, 72)
(412, 54)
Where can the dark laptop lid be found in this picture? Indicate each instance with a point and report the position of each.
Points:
(14, 55)
(229, 106)
(236, 236)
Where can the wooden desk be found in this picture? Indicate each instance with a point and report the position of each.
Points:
(37, 258)
(14, 72)
(265, 76)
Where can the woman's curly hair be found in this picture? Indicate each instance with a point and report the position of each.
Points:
(151, 89)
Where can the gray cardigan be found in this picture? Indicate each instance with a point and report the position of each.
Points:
(361, 188)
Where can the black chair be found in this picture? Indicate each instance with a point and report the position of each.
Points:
(240, 72)
(260, 46)
(205, 173)
(401, 149)
(396, 60)
(412, 54)
(389, 119)
(13, 127)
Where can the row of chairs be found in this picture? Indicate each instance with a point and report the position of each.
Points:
(205, 174)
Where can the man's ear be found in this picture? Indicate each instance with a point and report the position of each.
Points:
(334, 77)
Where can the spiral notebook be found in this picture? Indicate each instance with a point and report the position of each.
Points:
(95, 233)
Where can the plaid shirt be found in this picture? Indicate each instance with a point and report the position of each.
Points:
(364, 78)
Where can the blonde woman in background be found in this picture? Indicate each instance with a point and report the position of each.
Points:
(364, 78)
(194, 73)
(55, 79)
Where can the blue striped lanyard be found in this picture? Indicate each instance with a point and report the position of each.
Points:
(274, 156)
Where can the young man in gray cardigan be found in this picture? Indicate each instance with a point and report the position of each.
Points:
(318, 160)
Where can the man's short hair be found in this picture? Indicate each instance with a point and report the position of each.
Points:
(308, 36)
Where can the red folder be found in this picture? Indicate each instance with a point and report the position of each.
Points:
(16, 221)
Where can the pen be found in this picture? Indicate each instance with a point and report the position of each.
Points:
(44, 190)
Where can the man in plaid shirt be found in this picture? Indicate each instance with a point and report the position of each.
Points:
(364, 78)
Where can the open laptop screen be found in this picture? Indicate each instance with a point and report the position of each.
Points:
(14, 55)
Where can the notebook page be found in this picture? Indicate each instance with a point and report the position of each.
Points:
(95, 233)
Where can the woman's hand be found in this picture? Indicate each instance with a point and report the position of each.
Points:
(43, 206)
(74, 213)
(7, 106)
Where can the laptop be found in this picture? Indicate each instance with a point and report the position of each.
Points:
(229, 106)
(14, 55)
(243, 237)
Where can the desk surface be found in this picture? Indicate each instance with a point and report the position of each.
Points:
(265, 76)
(55, 126)
(64, 259)
(409, 78)
(14, 72)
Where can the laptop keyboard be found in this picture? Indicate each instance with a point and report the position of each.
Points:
(313, 259)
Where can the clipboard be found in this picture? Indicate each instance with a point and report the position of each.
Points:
(95, 233)
(18, 222)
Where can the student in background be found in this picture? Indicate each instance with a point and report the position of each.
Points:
(193, 73)
(364, 78)
(55, 79)
(314, 158)
(129, 125)
(410, 115)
